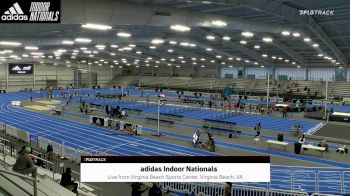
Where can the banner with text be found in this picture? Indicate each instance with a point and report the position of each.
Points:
(26, 11)
(175, 169)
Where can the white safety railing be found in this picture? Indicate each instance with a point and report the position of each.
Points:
(35, 190)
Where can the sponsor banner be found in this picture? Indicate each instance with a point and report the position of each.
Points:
(175, 169)
(20, 69)
(35, 11)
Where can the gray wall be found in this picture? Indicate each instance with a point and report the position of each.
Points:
(43, 72)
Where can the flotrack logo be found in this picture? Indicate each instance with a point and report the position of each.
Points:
(15, 12)
(316, 12)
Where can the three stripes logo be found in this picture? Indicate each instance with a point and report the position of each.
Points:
(15, 12)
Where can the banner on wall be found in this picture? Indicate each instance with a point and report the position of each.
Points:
(35, 11)
(20, 69)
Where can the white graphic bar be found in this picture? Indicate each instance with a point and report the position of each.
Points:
(12, 10)
(175, 172)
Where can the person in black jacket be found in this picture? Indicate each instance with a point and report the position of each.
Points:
(66, 180)
(155, 190)
(136, 189)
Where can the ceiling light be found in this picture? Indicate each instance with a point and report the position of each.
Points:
(37, 53)
(114, 46)
(202, 59)
(257, 47)
(183, 61)
(280, 58)
(337, 63)
(256, 63)
(208, 49)
(262, 66)
(178, 66)
(180, 57)
(157, 41)
(226, 38)
(238, 59)
(91, 55)
(202, 66)
(24, 55)
(230, 66)
(212, 61)
(315, 45)
(100, 46)
(172, 42)
(298, 66)
(127, 48)
(285, 33)
(230, 58)
(273, 57)
(264, 55)
(287, 61)
(193, 45)
(181, 28)
(294, 63)
(87, 52)
(162, 59)
(123, 34)
(152, 47)
(267, 39)
(83, 40)
(138, 52)
(296, 34)
(132, 45)
(184, 44)
(96, 26)
(67, 42)
(320, 55)
(247, 61)
(169, 64)
(340, 67)
(243, 42)
(95, 52)
(218, 56)
(172, 60)
(31, 48)
(5, 43)
(306, 39)
(149, 58)
(112, 54)
(219, 23)
(210, 37)
(170, 50)
(247, 34)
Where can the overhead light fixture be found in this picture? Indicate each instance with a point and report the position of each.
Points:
(132, 45)
(340, 67)
(96, 26)
(274, 57)
(178, 66)
(181, 28)
(152, 47)
(193, 45)
(293, 63)
(202, 59)
(210, 37)
(230, 58)
(298, 66)
(114, 46)
(306, 39)
(218, 56)
(315, 45)
(219, 23)
(223, 63)
(67, 42)
(112, 54)
(208, 49)
(100, 46)
(170, 50)
(296, 34)
(243, 42)
(286, 60)
(6, 43)
(247, 61)
(180, 57)
(123, 34)
(280, 58)
(264, 55)
(257, 47)
(157, 41)
(138, 52)
(25, 55)
(256, 63)
(285, 33)
(202, 66)
(337, 63)
(82, 40)
(172, 42)
(31, 48)
(127, 48)
(226, 38)
(184, 44)
(320, 55)
(267, 39)
(247, 34)
(262, 66)
(37, 53)
(238, 59)
(230, 66)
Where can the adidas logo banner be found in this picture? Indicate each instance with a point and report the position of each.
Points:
(25, 11)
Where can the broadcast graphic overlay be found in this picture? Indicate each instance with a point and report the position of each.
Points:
(175, 169)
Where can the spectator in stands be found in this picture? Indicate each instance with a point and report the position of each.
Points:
(227, 189)
(39, 161)
(66, 180)
(49, 151)
(136, 189)
(24, 164)
(257, 129)
(155, 190)
(210, 104)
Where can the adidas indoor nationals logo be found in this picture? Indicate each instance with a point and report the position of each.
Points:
(24, 11)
